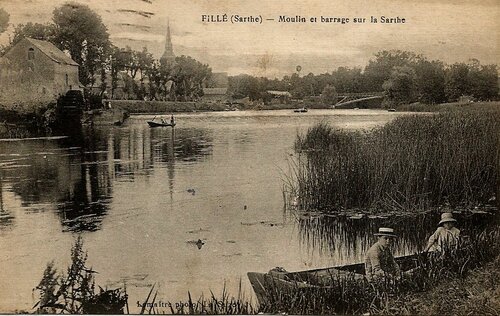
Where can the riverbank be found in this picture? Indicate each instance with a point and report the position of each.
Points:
(453, 106)
(461, 283)
(162, 107)
(14, 124)
(477, 294)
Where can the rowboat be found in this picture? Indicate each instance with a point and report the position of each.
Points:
(280, 280)
(159, 124)
(301, 110)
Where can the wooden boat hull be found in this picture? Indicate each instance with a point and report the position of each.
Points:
(156, 124)
(264, 284)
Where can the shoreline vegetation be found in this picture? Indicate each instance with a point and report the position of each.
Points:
(462, 282)
(22, 125)
(412, 163)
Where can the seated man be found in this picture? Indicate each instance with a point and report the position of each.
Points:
(446, 236)
(379, 260)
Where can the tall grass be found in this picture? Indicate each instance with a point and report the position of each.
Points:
(212, 305)
(454, 106)
(413, 162)
(350, 295)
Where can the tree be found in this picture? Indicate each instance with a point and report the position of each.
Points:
(34, 30)
(457, 81)
(483, 80)
(166, 89)
(400, 88)
(329, 95)
(144, 62)
(242, 86)
(4, 20)
(430, 81)
(347, 80)
(189, 75)
(379, 70)
(81, 31)
(39, 31)
(118, 61)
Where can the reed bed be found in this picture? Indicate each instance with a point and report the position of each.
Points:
(412, 163)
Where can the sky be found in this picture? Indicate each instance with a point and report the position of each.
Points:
(449, 30)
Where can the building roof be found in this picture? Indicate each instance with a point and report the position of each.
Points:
(214, 91)
(280, 93)
(52, 51)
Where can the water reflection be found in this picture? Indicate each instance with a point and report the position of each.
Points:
(6, 219)
(84, 206)
(76, 174)
(195, 145)
(347, 238)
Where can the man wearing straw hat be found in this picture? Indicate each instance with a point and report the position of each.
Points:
(379, 260)
(446, 235)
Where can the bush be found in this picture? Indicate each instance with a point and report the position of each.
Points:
(74, 292)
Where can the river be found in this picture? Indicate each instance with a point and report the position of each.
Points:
(142, 197)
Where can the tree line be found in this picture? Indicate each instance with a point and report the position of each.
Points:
(77, 29)
(404, 77)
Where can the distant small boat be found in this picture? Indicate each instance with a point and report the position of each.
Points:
(392, 110)
(159, 124)
(301, 110)
(162, 123)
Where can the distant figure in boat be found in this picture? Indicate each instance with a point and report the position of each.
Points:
(446, 236)
(379, 261)
(172, 120)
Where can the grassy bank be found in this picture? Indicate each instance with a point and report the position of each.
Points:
(156, 107)
(477, 294)
(455, 106)
(136, 106)
(392, 297)
(411, 163)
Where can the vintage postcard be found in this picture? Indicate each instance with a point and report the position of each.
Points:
(247, 157)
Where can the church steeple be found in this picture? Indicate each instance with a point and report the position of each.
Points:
(168, 54)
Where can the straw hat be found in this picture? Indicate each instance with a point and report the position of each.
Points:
(385, 231)
(446, 217)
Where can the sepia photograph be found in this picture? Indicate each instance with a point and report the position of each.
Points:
(242, 157)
